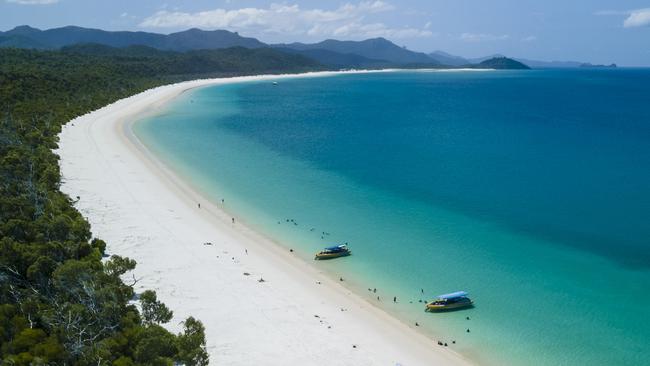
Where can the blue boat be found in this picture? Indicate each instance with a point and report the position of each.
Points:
(454, 300)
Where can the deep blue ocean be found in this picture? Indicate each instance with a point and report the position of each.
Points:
(528, 189)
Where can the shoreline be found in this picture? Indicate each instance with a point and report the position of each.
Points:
(144, 211)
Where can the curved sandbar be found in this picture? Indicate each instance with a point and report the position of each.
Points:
(297, 316)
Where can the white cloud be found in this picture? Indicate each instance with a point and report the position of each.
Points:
(635, 18)
(483, 37)
(33, 2)
(638, 18)
(348, 20)
(529, 39)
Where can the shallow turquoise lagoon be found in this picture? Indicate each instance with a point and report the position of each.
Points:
(529, 189)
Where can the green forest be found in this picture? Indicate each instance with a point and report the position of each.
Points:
(62, 301)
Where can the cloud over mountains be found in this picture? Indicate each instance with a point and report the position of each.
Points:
(348, 20)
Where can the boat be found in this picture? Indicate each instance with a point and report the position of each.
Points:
(334, 252)
(275, 83)
(454, 300)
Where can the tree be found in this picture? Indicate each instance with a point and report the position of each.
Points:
(154, 311)
(118, 266)
(191, 344)
(157, 347)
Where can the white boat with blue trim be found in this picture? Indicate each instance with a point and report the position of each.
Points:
(454, 300)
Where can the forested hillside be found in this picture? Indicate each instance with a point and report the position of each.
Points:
(61, 300)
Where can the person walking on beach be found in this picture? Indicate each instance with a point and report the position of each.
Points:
(233, 220)
(199, 205)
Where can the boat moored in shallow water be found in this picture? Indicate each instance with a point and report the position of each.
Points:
(454, 300)
(333, 252)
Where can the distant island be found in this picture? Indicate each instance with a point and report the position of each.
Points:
(592, 66)
(453, 60)
(502, 63)
(374, 53)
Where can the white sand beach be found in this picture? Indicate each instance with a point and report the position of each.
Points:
(297, 316)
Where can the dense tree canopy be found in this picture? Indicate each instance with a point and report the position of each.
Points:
(61, 301)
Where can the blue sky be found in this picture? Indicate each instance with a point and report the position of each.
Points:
(599, 31)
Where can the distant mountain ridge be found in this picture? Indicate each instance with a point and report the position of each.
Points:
(192, 39)
(370, 53)
(449, 59)
(374, 49)
(376, 52)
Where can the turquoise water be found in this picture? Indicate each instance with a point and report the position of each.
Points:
(529, 189)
